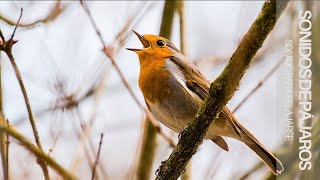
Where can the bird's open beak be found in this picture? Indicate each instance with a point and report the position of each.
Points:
(144, 42)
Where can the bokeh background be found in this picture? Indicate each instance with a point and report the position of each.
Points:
(76, 94)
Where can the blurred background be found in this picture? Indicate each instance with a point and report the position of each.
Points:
(76, 94)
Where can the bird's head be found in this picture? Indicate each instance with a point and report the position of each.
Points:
(154, 48)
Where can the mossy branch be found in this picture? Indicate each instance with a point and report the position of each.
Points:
(221, 91)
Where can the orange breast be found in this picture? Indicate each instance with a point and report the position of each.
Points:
(154, 80)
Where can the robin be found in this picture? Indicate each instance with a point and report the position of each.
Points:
(174, 89)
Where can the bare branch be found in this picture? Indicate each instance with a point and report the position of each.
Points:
(7, 155)
(7, 47)
(86, 129)
(3, 145)
(97, 157)
(15, 28)
(130, 23)
(53, 14)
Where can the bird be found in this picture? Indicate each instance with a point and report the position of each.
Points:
(174, 89)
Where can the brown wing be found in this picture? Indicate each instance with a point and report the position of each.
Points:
(198, 84)
(194, 79)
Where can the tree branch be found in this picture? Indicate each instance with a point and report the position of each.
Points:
(6, 174)
(53, 14)
(6, 46)
(221, 91)
(3, 145)
(97, 158)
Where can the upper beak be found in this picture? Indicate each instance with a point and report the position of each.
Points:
(144, 42)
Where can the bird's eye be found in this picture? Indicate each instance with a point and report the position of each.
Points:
(161, 43)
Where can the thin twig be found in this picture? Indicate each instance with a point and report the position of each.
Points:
(83, 147)
(109, 52)
(97, 157)
(276, 66)
(130, 23)
(15, 28)
(6, 47)
(7, 154)
(53, 14)
(86, 129)
(55, 140)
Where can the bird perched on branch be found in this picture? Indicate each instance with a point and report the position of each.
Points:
(174, 89)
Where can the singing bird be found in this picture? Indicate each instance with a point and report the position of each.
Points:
(174, 89)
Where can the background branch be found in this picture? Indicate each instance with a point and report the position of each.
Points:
(221, 90)
(97, 158)
(35, 150)
(167, 18)
(7, 173)
(53, 14)
(3, 145)
(6, 46)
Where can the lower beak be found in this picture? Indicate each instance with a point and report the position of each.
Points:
(144, 42)
(132, 49)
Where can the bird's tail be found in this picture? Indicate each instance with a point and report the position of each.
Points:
(269, 159)
(253, 143)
